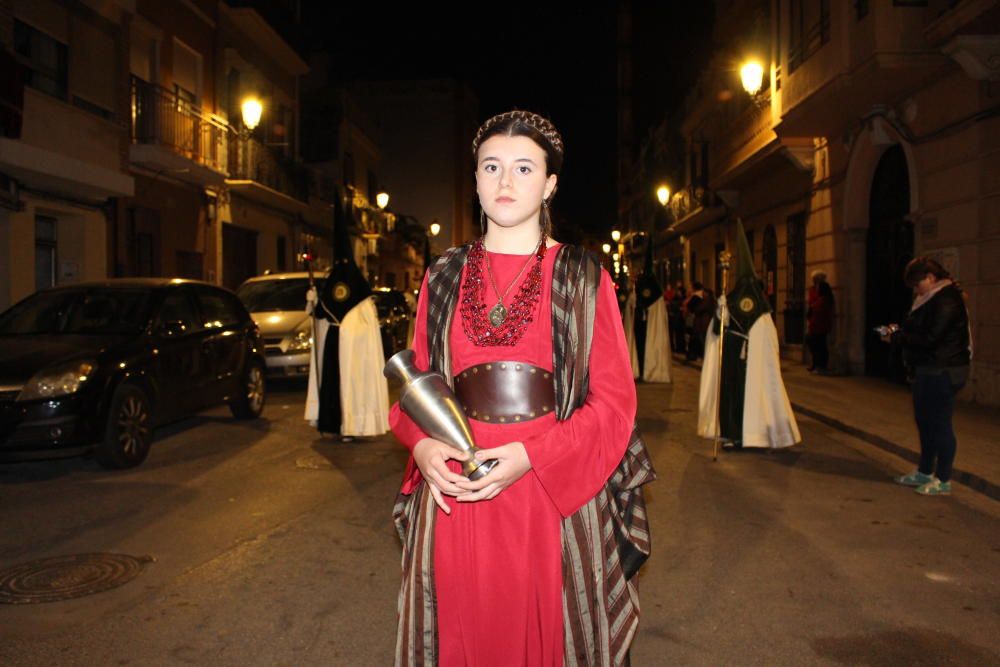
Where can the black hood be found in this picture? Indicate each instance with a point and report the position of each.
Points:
(23, 356)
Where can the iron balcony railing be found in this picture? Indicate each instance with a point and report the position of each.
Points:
(250, 160)
(164, 118)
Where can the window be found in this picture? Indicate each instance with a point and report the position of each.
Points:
(187, 73)
(45, 252)
(217, 309)
(177, 308)
(44, 58)
(92, 76)
(808, 29)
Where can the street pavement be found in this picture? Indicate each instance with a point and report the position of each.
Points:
(274, 546)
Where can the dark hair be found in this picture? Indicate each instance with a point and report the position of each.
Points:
(524, 124)
(918, 268)
(697, 285)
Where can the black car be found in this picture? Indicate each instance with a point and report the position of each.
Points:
(99, 365)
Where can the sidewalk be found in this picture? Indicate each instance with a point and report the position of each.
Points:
(881, 414)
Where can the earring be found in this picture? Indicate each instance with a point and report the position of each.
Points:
(482, 221)
(546, 219)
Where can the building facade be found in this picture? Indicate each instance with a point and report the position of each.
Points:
(124, 148)
(872, 141)
(64, 146)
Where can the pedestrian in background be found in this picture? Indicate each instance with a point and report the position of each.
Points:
(937, 350)
(676, 312)
(699, 311)
(820, 322)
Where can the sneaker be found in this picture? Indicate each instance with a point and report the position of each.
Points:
(935, 487)
(915, 478)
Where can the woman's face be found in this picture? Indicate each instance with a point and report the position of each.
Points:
(511, 180)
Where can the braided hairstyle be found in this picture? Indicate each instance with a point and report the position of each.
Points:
(539, 129)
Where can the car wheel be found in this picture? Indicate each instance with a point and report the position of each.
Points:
(249, 400)
(128, 434)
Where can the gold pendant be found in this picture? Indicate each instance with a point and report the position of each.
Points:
(498, 314)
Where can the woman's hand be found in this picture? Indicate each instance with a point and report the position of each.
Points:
(432, 456)
(512, 464)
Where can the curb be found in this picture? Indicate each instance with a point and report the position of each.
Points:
(973, 481)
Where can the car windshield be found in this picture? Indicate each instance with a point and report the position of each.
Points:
(94, 311)
(274, 295)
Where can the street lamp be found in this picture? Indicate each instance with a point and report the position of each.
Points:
(616, 235)
(251, 109)
(752, 77)
(663, 194)
(382, 199)
(435, 229)
(606, 248)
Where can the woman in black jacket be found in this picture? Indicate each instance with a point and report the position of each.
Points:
(935, 340)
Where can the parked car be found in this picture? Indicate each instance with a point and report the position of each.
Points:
(100, 365)
(394, 316)
(277, 303)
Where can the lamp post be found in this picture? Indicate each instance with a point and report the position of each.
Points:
(382, 199)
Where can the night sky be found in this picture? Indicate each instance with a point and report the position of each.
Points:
(558, 59)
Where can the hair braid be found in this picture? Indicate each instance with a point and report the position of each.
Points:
(540, 129)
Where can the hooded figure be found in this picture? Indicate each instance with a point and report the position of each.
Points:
(348, 395)
(647, 330)
(751, 407)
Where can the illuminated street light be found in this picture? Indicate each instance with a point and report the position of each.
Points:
(616, 235)
(382, 199)
(251, 110)
(663, 194)
(615, 256)
(752, 76)
(606, 248)
(435, 229)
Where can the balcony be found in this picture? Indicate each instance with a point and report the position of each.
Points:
(172, 136)
(261, 173)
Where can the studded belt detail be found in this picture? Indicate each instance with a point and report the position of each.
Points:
(503, 392)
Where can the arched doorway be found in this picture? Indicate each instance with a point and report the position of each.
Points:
(769, 254)
(889, 248)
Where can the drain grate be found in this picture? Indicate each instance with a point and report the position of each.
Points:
(67, 577)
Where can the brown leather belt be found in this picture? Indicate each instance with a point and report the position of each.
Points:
(503, 392)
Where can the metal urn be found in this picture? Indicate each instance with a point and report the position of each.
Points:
(428, 400)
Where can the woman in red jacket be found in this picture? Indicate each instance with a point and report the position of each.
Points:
(820, 322)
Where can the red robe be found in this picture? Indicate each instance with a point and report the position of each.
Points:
(498, 563)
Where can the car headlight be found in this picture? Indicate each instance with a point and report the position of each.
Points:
(57, 381)
(301, 342)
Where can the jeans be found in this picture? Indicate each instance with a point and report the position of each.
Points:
(934, 392)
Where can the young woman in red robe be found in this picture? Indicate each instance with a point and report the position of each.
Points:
(497, 546)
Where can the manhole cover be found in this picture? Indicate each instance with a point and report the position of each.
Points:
(67, 577)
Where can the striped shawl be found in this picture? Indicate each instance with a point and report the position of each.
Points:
(604, 542)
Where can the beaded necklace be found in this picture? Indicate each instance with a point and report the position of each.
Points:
(476, 320)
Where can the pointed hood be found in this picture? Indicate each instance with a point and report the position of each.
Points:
(345, 286)
(647, 287)
(746, 300)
